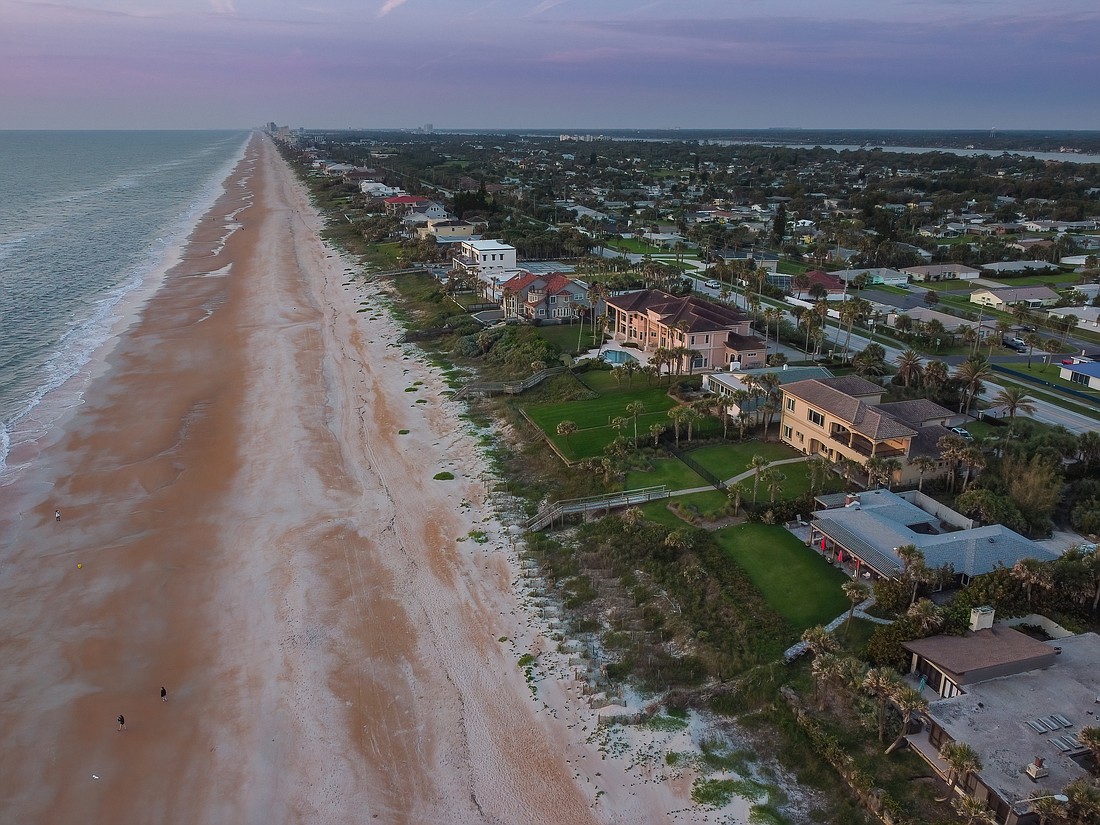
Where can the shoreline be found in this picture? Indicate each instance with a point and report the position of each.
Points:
(47, 406)
(256, 535)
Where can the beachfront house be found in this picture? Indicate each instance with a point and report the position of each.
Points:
(1018, 702)
(552, 297)
(844, 418)
(706, 335)
(485, 264)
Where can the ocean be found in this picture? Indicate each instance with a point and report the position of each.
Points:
(86, 220)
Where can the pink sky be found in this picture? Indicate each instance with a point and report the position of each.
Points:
(549, 63)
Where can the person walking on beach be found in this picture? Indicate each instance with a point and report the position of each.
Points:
(57, 515)
(163, 694)
(121, 722)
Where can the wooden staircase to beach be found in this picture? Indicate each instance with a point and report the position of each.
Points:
(508, 387)
(593, 504)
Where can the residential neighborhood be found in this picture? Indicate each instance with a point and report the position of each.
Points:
(837, 411)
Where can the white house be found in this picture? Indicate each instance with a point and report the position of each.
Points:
(1086, 374)
(491, 262)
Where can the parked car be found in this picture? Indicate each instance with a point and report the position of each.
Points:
(712, 285)
(1067, 362)
(962, 433)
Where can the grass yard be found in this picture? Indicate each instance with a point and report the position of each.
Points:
(633, 245)
(708, 506)
(1055, 278)
(564, 336)
(598, 412)
(797, 583)
(1049, 373)
(671, 472)
(728, 460)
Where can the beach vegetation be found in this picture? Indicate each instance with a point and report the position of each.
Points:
(444, 476)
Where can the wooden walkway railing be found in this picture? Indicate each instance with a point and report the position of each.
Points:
(605, 503)
(507, 387)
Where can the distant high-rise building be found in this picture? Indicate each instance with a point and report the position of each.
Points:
(428, 128)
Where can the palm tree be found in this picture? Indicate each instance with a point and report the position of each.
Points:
(819, 640)
(655, 430)
(1015, 399)
(908, 700)
(927, 616)
(567, 428)
(974, 811)
(881, 682)
(1051, 347)
(961, 759)
(914, 570)
(971, 373)
(910, 367)
(735, 493)
(1032, 574)
(1032, 340)
(773, 480)
(876, 471)
(677, 414)
(1089, 736)
(825, 668)
(951, 449)
(757, 465)
(857, 593)
(634, 409)
(691, 415)
(935, 375)
(924, 464)
(973, 459)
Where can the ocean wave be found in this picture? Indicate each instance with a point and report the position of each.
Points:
(78, 344)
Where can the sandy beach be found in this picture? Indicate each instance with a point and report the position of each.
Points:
(244, 523)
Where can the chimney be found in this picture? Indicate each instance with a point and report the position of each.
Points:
(850, 499)
(981, 618)
(1036, 769)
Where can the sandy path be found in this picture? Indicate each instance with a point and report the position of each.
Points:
(257, 536)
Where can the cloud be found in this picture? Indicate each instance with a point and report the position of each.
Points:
(546, 5)
(223, 6)
(389, 6)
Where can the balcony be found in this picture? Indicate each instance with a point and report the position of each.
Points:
(864, 447)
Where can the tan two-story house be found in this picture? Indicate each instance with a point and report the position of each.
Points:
(845, 418)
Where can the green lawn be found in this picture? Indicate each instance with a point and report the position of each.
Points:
(1049, 373)
(712, 502)
(671, 472)
(598, 412)
(728, 460)
(564, 336)
(798, 583)
(633, 245)
(1056, 278)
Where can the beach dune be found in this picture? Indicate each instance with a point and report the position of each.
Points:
(254, 532)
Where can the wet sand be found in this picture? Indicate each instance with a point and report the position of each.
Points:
(256, 535)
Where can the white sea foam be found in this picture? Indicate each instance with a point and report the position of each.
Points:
(65, 373)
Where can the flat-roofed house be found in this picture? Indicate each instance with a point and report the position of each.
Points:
(1019, 703)
(710, 335)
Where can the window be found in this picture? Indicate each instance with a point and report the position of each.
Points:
(553, 299)
(693, 340)
(787, 433)
(706, 339)
(816, 417)
(1079, 378)
(698, 363)
(790, 403)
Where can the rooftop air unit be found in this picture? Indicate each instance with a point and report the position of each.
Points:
(981, 618)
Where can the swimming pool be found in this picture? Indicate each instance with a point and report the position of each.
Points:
(617, 356)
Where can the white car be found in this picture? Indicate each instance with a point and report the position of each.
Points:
(712, 285)
(962, 433)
